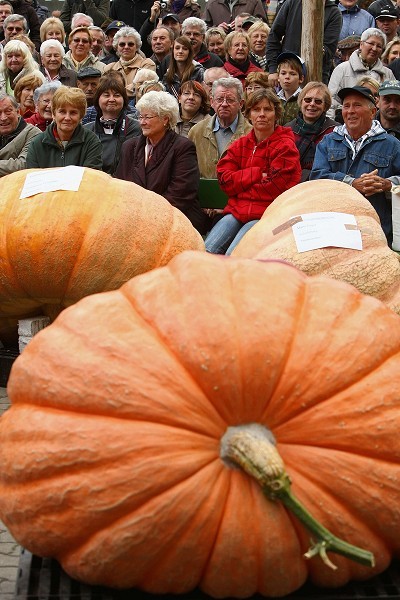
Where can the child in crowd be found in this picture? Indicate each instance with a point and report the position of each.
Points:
(291, 74)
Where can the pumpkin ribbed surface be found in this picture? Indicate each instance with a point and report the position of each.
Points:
(57, 247)
(110, 451)
(375, 270)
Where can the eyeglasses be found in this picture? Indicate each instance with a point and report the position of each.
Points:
(146, 117)
(11, 28)
(45, 100)
(377, 46)
(222, 99)
(130, 44)
(80, 41)
(316, 101)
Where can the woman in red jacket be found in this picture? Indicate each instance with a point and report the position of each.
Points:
(256, 169)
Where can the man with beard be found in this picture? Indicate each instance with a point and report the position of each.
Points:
(389, 107)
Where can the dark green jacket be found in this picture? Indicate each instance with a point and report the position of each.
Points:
(83, 150)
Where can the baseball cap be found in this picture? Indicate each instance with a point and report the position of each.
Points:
(249, 21)
(115, 25)
(363, 91)
(290, 55)
(389, 87)
(388, 11)
(88, 72)
(170, 16)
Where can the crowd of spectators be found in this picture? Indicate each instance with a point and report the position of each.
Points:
(164, 93)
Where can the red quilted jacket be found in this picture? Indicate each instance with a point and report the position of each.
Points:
(240, 172)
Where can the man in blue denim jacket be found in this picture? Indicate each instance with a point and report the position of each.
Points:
(361, 154)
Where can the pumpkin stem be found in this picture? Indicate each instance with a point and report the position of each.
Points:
(253, 448)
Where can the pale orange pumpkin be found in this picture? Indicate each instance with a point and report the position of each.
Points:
(118, 452)
(375, 270)
(57, 247)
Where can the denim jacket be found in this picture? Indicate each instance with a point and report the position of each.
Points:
(333, 160)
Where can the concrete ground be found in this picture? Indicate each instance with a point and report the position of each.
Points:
(9, 549)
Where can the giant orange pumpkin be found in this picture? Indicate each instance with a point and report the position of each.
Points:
(57, 247)
(133, 411)
(374, 270)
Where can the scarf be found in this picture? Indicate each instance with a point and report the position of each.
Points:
(125, 64)
(241, 66)
(365, 64)
(306, 134)
(308, 129)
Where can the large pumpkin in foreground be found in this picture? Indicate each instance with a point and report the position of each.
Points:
(110, 453)
(57, 247)
(375, 270)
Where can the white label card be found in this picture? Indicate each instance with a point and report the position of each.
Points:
(51, 180)
(323, 229)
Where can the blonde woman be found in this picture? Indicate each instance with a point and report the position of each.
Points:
(17, 61)
(65, 141)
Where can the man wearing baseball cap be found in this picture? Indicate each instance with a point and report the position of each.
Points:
(111, 29)
(362, 154)
(388, 22)
(389, 107)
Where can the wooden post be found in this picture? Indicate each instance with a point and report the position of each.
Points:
(312, 37)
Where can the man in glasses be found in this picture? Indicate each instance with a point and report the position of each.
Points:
(32, 24)
(362, 154)
(213, 135)
(17, 24)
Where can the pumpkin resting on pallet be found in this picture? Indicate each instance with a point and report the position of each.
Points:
(57, 247)
(375, 270)
(110, 452)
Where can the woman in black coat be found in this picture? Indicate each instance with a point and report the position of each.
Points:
(162, 161)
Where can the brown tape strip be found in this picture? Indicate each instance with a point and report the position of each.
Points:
(287, 224)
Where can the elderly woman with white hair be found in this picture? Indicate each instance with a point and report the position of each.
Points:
(366, 60)
(42, 97)
(127, 43)
(51, 55)
(17, 61)
(162, 161)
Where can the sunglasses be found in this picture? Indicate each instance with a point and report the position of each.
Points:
(130, 44)
(317, 101)
(80, 41)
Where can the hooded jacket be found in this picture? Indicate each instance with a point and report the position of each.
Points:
(254, 174)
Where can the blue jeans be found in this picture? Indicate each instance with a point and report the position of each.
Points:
(226, 234)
